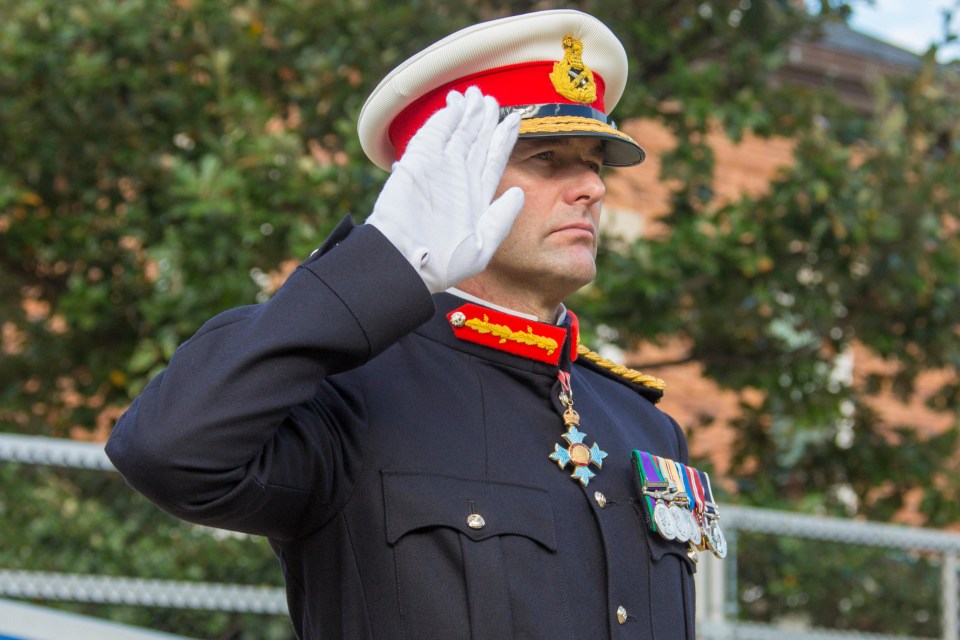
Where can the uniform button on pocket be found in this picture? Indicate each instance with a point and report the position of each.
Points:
(476, 521)
(621, 615)
(601, 499)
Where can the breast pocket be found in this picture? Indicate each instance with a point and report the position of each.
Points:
(473, 559)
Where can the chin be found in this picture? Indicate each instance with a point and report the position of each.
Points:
(581, 276)
(582, 265)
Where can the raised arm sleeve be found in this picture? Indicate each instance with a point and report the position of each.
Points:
(242, 427)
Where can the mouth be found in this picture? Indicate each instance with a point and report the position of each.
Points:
(580, 228)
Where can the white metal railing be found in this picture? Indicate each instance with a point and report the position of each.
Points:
(55, 452)
(54, 586)
(874, 534)
(177, 594)
(754, 631)
(714, 576)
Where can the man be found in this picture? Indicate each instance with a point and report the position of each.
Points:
(408, 420)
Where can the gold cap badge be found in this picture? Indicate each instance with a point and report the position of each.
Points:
(570, 77)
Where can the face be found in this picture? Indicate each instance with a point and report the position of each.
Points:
(552, 246)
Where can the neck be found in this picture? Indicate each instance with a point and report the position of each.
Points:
(544, 309)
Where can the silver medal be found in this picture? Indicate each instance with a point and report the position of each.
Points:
(697, 537)
(683, 525)
(718, 542)
(666, 526)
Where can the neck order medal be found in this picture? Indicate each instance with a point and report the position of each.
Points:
(576, 453)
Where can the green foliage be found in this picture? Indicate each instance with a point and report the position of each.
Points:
(161, 161)
(840, 590)
(157, 158)
(79, 521)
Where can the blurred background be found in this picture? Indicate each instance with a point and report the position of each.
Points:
(787, 259)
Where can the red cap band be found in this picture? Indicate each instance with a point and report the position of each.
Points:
(512, 85)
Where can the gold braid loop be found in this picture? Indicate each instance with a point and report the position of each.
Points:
(624, 372)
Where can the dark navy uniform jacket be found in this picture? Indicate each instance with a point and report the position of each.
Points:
(344, 421)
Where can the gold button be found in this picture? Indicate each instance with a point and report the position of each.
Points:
(601, 499)
(475, 521)
(457, 319)
(621, 615)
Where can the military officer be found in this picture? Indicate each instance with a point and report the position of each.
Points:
(411, 420)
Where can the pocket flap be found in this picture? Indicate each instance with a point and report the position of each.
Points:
(658, 545)
(420, 501)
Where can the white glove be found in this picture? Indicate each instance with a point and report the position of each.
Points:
(436, 206)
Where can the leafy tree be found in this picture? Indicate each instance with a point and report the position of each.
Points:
(162, 161)
(856, 243)
(158, 163)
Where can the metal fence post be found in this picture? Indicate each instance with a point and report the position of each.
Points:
(711, 587)
(731, 601)
(951, 611)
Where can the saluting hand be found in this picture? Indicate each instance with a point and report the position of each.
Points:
(437, 207)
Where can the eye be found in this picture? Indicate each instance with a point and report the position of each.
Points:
(546, 156)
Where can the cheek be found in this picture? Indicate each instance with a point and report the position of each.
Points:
(511, 178)
(529, 216)
(521, 231)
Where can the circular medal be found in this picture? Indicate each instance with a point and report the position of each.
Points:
(683, 525)
(718, 542)
(666, 527)
(711, 534)
(697, 537)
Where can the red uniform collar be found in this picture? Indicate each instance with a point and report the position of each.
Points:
(513, 334)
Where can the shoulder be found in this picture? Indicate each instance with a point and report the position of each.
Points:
(650, 387)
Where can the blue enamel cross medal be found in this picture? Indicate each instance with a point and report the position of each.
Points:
(576, 452)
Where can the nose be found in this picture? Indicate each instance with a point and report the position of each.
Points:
(585, 186)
